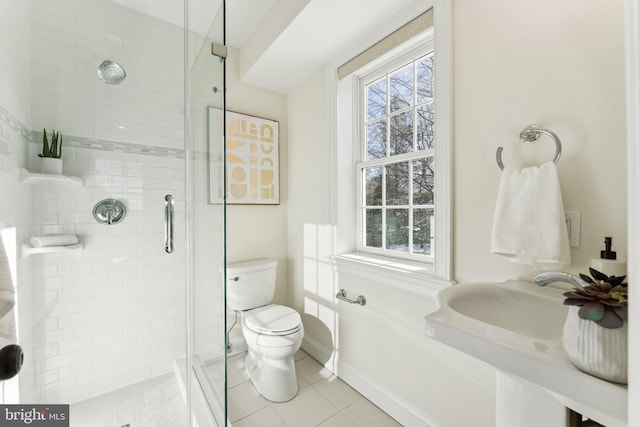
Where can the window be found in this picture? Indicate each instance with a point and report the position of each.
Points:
(397, 164)
(392, 165)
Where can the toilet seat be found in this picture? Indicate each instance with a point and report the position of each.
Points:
(273, 319)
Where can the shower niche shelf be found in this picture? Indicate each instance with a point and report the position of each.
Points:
(27, 249)
(32, 177)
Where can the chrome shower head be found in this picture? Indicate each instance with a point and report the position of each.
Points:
(111, 72)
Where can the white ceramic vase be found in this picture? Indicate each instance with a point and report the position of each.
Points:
(51, 165)
(596, 350)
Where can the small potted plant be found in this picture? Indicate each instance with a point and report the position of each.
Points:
(51, 162)
(595, 333)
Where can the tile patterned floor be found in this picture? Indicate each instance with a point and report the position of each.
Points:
(323, 401)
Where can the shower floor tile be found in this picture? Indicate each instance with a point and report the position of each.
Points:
(323, 400)
(154, 402)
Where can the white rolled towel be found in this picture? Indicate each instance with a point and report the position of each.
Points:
(54, 240)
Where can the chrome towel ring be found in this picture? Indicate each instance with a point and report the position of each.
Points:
(531, 134)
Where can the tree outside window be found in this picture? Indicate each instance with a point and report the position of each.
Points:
(397, 166)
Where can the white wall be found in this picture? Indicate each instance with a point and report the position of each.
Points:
(559, 65)
(632, 42)
(70, 41)
(515, 64)
(259, 231)
(113, 313)
(309, 228)
(380, 349)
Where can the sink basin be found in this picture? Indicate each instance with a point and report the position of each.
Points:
(518, 309)
(517, 326)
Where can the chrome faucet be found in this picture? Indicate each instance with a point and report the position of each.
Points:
(543, 279)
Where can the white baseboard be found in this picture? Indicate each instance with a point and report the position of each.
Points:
(320, 353)
(405, 413)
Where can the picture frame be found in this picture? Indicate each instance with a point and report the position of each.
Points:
(252, 158)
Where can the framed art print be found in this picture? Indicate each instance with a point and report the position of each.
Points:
(251, 158)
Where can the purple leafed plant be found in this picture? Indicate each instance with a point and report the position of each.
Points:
(604, 300)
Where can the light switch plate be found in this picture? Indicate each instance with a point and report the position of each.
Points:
(572, 219)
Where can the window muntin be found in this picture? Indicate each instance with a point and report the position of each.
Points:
(397, 162)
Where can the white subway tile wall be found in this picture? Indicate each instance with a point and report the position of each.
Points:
(70, 40)
(113, 313)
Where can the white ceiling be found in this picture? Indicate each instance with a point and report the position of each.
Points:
(281, 42)
(325, 31)
(242, 15)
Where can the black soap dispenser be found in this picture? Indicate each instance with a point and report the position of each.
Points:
(607, 263)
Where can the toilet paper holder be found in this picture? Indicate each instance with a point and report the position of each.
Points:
(342, 295)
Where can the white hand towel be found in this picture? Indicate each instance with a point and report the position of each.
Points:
(7, 301)
(529, 225)
(54, 240)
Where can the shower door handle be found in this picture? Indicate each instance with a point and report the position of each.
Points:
(168, 223)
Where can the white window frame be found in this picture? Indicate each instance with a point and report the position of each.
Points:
(423, 278)
(399, 60)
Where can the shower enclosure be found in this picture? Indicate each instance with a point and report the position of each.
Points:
(126, 323)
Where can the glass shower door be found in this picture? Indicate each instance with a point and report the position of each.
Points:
(101, 312)
(106, 322)
(205, 166)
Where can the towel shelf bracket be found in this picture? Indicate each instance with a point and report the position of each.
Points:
(531, 134)
(27, 249)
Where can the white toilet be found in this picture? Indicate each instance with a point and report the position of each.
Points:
(273, 332)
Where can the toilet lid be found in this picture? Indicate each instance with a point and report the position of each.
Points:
(273, 320)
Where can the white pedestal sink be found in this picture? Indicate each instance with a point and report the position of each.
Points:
(517, 327)
(524, 404)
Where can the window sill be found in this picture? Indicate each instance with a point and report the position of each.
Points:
(400, 274)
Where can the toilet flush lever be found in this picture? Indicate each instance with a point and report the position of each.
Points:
(342, 295)
(233, 279)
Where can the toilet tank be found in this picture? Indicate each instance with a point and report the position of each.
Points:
(251, 284)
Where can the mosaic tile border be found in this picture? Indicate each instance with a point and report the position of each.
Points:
(118, 147)
(8, 119)
(92, 144)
